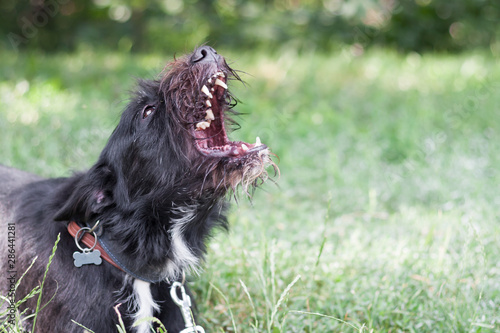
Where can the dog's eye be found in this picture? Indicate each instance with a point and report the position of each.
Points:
(148, 110)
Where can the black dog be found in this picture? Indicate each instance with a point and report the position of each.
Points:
(158, 190)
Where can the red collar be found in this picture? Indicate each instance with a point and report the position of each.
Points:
(89, 240)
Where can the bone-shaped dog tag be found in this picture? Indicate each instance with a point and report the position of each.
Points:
(88, 257)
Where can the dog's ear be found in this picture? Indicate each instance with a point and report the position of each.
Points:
(83, 205)
(86, 198)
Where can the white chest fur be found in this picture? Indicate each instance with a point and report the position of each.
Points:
(144, 304)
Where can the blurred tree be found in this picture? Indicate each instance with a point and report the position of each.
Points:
(140, 25)
(443, 25)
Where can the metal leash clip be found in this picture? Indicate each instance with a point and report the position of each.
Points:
(184, 303)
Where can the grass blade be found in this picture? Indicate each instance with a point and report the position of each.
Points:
(245, 289)
(228, 306)
(280, 301)
(359, 329)
(43, 281)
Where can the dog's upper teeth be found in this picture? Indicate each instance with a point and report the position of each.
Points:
(204, 89)
(210, 80)
(212, 91)
(210, 115)
(220, 83)
(244, 147)
(208, 103)
(257, 142)
(202, 125)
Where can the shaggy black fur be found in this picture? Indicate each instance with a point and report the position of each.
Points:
(158, 170)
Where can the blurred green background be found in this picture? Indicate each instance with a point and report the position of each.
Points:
(319, 25)
(385, 117)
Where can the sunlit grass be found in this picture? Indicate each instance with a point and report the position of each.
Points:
(404, 149)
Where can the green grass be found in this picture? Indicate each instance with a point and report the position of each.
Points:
(387, 204)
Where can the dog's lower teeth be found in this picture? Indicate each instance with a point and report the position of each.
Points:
(202, 125)
(244, 147)
(257, 142)
(208, 103)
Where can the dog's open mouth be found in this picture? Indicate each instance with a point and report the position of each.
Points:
(208, 123)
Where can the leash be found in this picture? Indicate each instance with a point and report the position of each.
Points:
(93, 253)
(184, 303)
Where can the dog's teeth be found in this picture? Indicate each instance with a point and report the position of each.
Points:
(208, 103)
(211, 91)
(210, 80)
(202, 125)
(204, 89)
(210, 115)
(244, 147)
(220, 83)
(257, 142)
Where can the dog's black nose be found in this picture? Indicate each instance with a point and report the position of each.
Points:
(204, 54)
